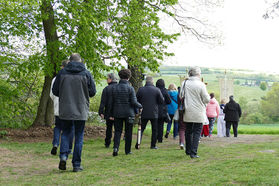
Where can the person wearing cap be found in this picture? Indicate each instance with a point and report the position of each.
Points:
(57, 129)
(195, 97)
(105, 106)
(232, 112)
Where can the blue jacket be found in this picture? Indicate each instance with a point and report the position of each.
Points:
(172, 107)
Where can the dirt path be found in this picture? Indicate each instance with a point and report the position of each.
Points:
(15, 164)
(241, 139)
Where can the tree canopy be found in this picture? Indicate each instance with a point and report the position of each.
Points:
(36, 35)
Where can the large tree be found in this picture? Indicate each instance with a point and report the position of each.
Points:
(36, 35)
(54, 29)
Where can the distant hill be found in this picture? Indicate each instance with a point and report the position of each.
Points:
(239, 74)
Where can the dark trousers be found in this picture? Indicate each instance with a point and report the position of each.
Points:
(192, 136)
(228, 128)
(154, 128)
(67, 127)
(160, 129)
(118, 127)
(109, 124)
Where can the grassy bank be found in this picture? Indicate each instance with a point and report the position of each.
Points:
(224, 161)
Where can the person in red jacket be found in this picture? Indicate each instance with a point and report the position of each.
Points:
(212, 112)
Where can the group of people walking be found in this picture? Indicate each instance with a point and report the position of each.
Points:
(227, 115)
(189, 107)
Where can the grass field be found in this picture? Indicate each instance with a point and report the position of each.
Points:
(247, 160)
(250, 93)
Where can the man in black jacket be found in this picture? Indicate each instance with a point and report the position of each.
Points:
(150, 97)
(73, 85)
(232, 112)
(124, 103)
(104, 105)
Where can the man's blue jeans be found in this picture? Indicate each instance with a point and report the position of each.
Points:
(67, 127)
(57, 132)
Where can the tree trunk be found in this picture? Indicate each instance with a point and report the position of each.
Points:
(137, 77)
(45, 113)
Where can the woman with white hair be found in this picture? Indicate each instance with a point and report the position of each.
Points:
(195, 97)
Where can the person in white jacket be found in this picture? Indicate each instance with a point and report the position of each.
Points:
(221, 123)
(195, 97)
(57, 129)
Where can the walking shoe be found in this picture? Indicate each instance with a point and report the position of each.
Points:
(129, 153)
(53, 150)
(137, 146)
(62, 164)
(182, 147)
(154, 147)
(115, 152)
(167, 135)
(77, 169)
(194, 156)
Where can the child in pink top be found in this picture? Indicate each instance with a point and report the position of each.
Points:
(212, 112)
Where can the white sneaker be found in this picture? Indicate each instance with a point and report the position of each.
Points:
(182, 146)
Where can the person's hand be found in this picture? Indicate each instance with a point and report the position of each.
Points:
(140, 110)
(102, 116)
(111, 118)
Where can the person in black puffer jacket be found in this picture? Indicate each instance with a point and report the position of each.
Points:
(232, 112)
(123, 103)
(105, 106)
(150, 97)
(163, 109)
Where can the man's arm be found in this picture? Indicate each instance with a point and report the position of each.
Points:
(91, 85)
(239, 111)
(204, 95)
(103, 102)
(225, 109)
(133, 98)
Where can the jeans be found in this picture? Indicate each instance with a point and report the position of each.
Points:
(109, 124)
(118, 127)
(228, 128)
(211, 125)
(192, 137)
(154, 128)
(67, 128)
(57, 132)
(160, 130)
(175, 126)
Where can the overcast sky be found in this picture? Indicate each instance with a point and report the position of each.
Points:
(250, 42)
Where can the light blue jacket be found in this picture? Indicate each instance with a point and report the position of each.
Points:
(172, 107)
